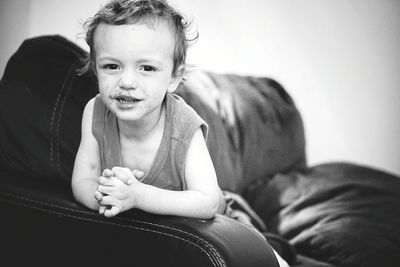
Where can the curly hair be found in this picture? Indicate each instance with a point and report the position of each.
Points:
(121, 12)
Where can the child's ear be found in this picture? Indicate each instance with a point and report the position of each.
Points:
(176, 79)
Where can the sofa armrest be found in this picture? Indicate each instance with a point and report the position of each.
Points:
(42, 225)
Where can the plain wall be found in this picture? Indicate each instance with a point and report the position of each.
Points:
(338, 59)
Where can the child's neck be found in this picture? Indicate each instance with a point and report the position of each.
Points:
(142, 130)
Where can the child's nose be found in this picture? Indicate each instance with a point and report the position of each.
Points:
(128, 80)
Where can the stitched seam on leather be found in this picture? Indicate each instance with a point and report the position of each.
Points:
(90, 213)
(53, 115)
(215, 259)
(67, 84)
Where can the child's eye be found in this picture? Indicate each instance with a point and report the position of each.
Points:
(110, 66)
(147, 68)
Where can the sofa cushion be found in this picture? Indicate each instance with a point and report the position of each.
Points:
(341, 213)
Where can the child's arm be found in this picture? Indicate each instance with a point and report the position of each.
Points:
(200, 200)
(87, 163)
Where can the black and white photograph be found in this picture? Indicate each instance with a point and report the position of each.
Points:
(260, 133)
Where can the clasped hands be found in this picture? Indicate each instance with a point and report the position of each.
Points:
(114, 190)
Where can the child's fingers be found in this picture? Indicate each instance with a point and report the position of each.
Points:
(105, 190)
(124, 174)
(108, 181)
(102, 209)
(121, 171)
(125, 179)
(98, 196)
(107, 173)
(138, 174)
(109, 201)
(112, 212)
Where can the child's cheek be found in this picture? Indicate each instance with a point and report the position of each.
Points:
(105, 82)
(107, 85)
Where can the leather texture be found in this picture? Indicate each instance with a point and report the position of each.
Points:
(42, 225)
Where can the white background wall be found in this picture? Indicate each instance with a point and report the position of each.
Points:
(339, 60)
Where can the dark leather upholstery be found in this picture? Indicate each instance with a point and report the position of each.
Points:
(42, 225)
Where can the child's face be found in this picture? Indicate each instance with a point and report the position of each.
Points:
(134, 66)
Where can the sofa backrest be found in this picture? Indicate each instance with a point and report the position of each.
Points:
(41, 104)
(256, 130)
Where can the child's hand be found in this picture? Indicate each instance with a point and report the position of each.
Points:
(113, 190)
(127, 179)
(99, 196)
(107, 173)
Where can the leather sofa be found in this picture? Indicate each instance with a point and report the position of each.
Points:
(335, 214)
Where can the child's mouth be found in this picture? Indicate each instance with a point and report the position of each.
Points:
(123, 99)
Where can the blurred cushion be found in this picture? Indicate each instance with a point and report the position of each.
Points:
(344, 214)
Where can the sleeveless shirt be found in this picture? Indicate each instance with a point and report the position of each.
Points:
(168, 168)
